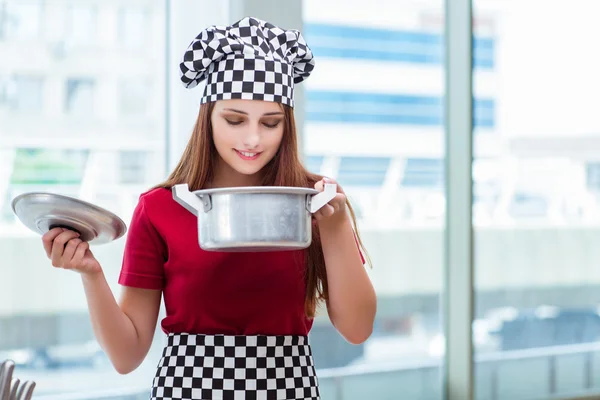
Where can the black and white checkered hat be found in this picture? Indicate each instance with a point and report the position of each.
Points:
(251, 59)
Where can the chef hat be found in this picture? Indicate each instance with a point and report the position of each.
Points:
(251, 59)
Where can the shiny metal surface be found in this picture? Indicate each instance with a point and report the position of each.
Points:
(258, 189)
(252, 218)
(6, 374)
(14, 388)
(253, 221)
(41, 212)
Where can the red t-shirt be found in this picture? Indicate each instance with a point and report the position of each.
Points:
(211, 292)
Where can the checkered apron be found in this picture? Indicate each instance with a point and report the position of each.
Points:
(221, 367)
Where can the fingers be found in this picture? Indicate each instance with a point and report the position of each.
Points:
(77, 259)
(69, 251)
(320, 185)
(58, 247)
(49, 237)
(338, 202)
(326, 211)
(334, 206)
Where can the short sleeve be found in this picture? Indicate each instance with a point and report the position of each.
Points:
(144, 255)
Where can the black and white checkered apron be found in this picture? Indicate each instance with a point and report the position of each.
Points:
(221, 367)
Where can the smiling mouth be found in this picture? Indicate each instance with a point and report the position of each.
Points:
(247, 155)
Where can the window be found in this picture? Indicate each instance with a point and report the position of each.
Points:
(355, 41)
(20, 20)
(48, 166)
(314, 163)
(423, 173)
(363, 171)
(132, 26)
(593, 176)
(382, 108)
(60, 115)
(537, 293)
(80, 96)
(133, 97)
(82, 24)
(367, 52)
(133, 166)
(22, 93)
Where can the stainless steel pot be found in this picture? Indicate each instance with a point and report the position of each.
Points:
(261, 218)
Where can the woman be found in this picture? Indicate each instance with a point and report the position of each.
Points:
(236, 323)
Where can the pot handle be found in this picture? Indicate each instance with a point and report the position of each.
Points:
(189, 201)
(319, 200)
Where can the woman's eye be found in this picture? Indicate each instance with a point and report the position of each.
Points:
(230, 122)
(271, 125)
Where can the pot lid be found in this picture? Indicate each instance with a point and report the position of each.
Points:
(40, 212)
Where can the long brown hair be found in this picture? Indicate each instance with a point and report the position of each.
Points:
(196, 168)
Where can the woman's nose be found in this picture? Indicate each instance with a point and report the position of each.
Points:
(251, 138)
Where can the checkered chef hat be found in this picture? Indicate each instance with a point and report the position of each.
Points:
(251, 59)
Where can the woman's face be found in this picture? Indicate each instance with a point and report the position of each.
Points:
(247, 133)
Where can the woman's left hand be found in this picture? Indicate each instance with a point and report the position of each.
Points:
(336, 207)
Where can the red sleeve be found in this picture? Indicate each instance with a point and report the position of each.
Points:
(145, 253)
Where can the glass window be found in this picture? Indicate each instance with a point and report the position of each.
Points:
(133, 22)
(82, 23)
(537, 321)
(373, 108)
(48, 166)
(22, 93)
(20, 20)
(133, 97)
(42, 169)
(375, 99)
(98, 157)
(593, 176)
(80, 96)
(314, 163)
(133, 166)
(424, 173)
(363, 171)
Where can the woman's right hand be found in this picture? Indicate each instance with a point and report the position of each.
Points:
(67, 251)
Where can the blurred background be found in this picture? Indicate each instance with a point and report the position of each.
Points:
(91, 106)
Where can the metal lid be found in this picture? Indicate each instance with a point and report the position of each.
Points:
(40, 212)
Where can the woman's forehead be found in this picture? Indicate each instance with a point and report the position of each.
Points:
(250, 107)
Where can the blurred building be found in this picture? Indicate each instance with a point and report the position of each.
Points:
(82, 99)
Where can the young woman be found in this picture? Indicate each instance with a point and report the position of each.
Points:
(236, 323)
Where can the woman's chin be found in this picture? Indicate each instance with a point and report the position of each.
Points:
(246, 170)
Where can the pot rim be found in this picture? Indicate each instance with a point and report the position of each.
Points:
(258, 190)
